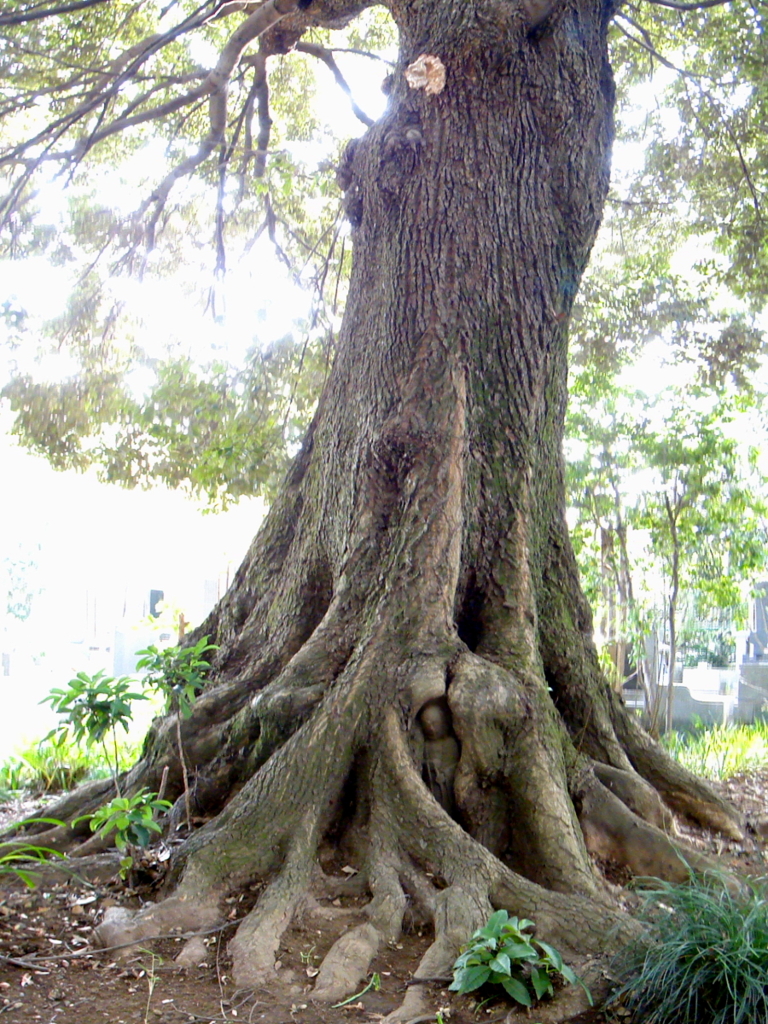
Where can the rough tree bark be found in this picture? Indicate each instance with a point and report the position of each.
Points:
(406, 672)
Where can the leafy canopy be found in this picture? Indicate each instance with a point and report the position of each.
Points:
(181, 145)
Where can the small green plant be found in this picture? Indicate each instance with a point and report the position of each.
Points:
(704, 956)
(132, 819)
(91, 708)
(52, 766)
(374, 982)
(13, 778)
(501, 953)
(157, 961)
(179, 674)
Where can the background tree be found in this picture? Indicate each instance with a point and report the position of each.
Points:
(413, 590)
(678, 474)
(704, 519)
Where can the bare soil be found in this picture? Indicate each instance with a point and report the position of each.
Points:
(49, 972)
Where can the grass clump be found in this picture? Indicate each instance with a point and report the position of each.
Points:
(704, 956)
(720, 751)
(54, 766)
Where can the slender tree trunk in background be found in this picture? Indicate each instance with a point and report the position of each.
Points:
(672, 607)
(406, 677)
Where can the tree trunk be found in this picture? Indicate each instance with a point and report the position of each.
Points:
(406, 672)
(672, 515)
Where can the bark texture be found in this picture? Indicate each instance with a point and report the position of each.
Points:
(406, 672)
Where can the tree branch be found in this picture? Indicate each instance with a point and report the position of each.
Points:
(261, 94)
(38, 12)
(326, 56)
(216, 83)
(646, 43)
(700, 6)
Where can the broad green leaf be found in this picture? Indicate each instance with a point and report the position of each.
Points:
(495, 925)
(517, 990)
(552, 955)
(519, 951)
(501, 963)
(471, 978)
(542, 984)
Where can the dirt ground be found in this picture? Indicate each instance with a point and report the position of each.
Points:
(49, 973)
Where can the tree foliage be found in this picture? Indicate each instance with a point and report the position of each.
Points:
(181, 142)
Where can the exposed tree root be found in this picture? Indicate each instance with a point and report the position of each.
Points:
(599, 724)
(400, 829)
(613, 831)
(637, 794)
(681, 790)
(174, 915)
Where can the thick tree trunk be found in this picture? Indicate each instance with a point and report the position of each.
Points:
(406, 671)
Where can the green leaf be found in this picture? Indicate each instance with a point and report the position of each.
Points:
(140, 835)
(517, 990)
(501, 963)
(569, 974)
(519, 951)
(495, 925)
(542, 983)
(552, 955)
(471, 978)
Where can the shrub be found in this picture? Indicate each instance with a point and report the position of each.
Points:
(90, 710)
(178, 673)
(704, 956)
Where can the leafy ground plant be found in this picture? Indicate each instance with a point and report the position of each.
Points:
(132, 819)
(19, 861)
(501, 953)
(704, 956)
(52, 766)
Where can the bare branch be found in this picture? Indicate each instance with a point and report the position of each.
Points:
(700, 6)
(326, 56)
(221, 250)
(261, 88)
(362, 53)
(38, 12)
(216, 83)
(646, 43)
(257, 95)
